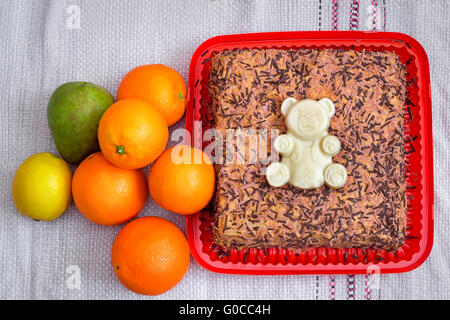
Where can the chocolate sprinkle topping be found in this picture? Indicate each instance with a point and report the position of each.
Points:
(368, 88)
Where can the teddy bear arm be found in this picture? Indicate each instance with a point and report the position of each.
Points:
(330, 145)
(284, 145)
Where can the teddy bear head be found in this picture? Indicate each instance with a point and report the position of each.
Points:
(307, 119)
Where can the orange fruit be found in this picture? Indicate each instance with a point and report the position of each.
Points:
(132, 134)
(106, 194)
(182, 180)
(160, 85)
(150, 255)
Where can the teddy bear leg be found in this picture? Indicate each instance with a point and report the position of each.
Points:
(335, 175)
(277, 174)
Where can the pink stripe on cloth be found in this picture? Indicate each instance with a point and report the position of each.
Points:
(332, 287)
(368, 287)
(375, 16)
(335, 15)
(320, 15)
(350, 287)
(354, 15)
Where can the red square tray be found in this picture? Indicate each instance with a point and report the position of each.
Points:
(418, 154)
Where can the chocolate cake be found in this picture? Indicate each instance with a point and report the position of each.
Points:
(368, 89)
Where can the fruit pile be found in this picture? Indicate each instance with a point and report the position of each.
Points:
(111, 142)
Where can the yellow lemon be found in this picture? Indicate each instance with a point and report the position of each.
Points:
(42, 186)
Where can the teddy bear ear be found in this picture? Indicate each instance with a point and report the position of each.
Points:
(287, 105)
(328, 105)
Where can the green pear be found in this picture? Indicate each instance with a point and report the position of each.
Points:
(73, 114)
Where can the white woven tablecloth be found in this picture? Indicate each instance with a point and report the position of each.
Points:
(43, 44)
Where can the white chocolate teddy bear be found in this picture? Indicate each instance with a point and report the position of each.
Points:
(306, 148)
